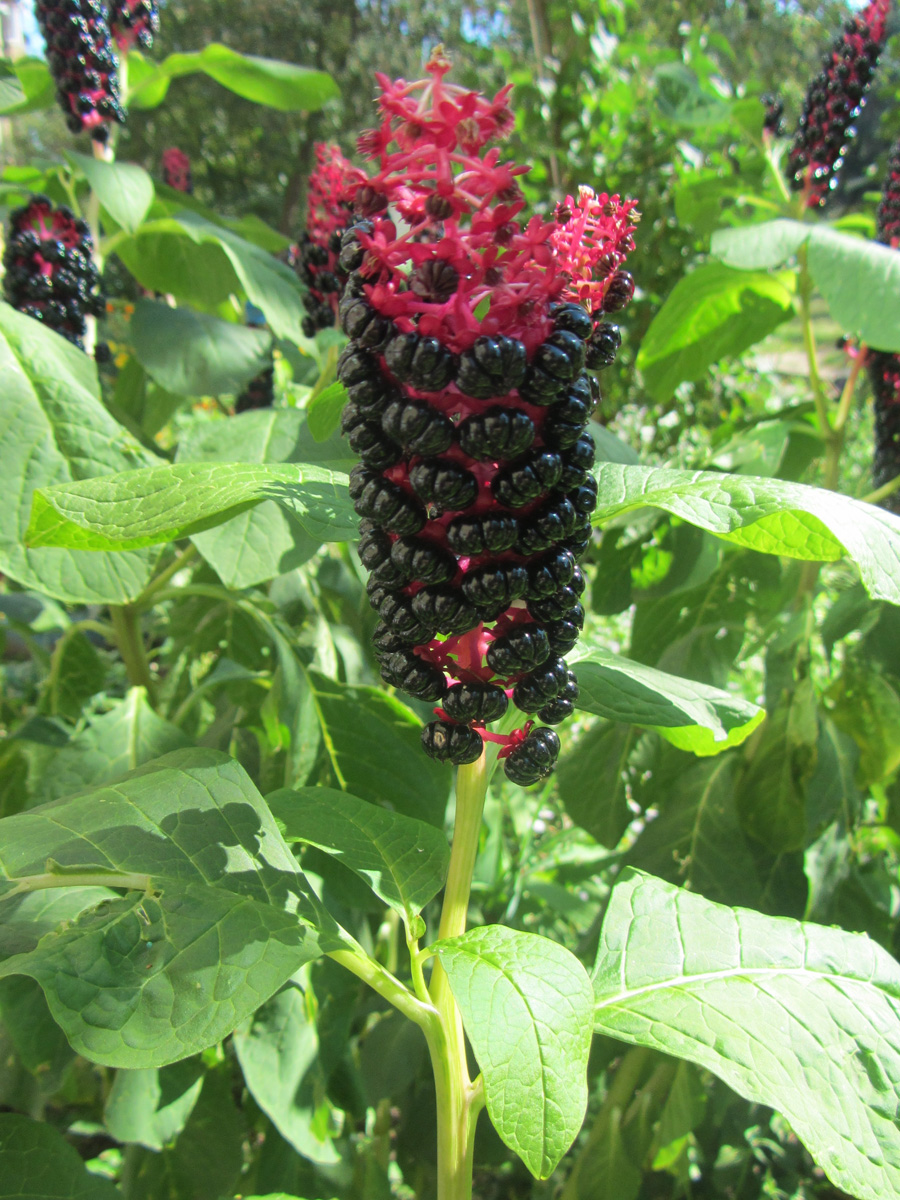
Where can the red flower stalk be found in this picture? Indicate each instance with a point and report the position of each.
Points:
(133, 23)
(50, 274)
(884, 367)
(177, 170)
(834, 101)
(328, 215)
(467, 403)
(83, 63)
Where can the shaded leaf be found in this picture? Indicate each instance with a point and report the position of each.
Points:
(150, 1107)
(124, 189)
(38, 1162)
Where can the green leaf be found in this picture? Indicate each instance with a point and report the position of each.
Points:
(526, 1007)
(127, 736)
(225, 917)
(403, 861)
(591, 778)
(278, 1051)
(54, 428)
(759, 247)
(268, 81)
(268, 540)
(150, 1107)
(374, 747)
(690, 715)
(712, 313)
(324, 412)
(193, 354)
(39, 1164)
(768, 515)
(124, 189)
(165, 504)
(798, 1017)
(611, 448)
(680, 97)
(35, 90)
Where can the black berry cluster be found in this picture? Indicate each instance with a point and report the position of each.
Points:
(315, 257)
(883, 367)
(773, 123)
(317, 269)
(468, 402)
(888, 216)
(259, 392)
(50, 274)
(134, 23)
(83, 63)
(833, 102)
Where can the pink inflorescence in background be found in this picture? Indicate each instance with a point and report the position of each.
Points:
(328, 214)
(468, 400)
(83, 63)
(176, 168)
(884, 367)
(50, 274)
(833, 102)
(133, 23)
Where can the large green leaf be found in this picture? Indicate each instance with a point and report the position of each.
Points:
(526, 1007)
(53, 429)
(690, 715)
(795, 1016)
(859, 279)
(403, 861)
(124, 189)
(714, 312)
(768, 515)
(129, 735)
(374, 749)
(278, 1051)
(39, 1164)
(592, 781)
(193, 354)
(266, 81)
(151, 1106)
(28, 86)
(269, 539)
(165, 504)
(203, 263)
(217, 915)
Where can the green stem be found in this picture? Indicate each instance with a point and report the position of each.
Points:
(56, 879)
(809, 343)
(386, 985)
(458, 1100)
(126, 627)
(882, 493)
(145, 599)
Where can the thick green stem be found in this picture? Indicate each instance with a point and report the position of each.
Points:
(147, 597)
(458, 1100)
(126, 626)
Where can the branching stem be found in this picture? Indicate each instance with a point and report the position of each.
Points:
(126, 627)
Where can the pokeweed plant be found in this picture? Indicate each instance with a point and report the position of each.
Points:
(274, 825)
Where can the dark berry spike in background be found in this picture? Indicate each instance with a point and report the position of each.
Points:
(50, 274)
(328, 215)
(471, 334)
(83, 63)
(833, 102)
(883, 367)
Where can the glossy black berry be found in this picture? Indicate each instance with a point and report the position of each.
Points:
(356, 366)
(396, 611)
(434, 280)
(522, 649)
(553, 608)
(563, 633)
(565, 421)
(584, 497)
(451, 743)
(492, 367)
(522, 482)
(384, 502)
(618, 292)
(423, 561)
(422, 362)
(417, 427)
(497, 433)
(404, 669)
(352, 253)
(554, 521)
(603, 346)
(534, 759)
(483, 702)
(443, 483)
(564, 704)
(561, 356)
(494, 588)
(374, 545)
(360, 322)
(444, 609)
(573, 318)
(541, 685)
(492, 533)
(374, 447)
(577, 462)
(385, 641)
(550, 573)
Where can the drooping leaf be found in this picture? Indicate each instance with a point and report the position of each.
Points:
(216, 918)
(54, 428)
(759, 247)
(268, 540)
(768, 515)
(124, 189)
(39, 1164)
(690, 715)
(278, 1051)
(403, 861)
(526, 1007)
(375, 752)
(193, 354)
(715, 312)
(798, 1017)
(164, 504)
(129, 735)
(151, 1106)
